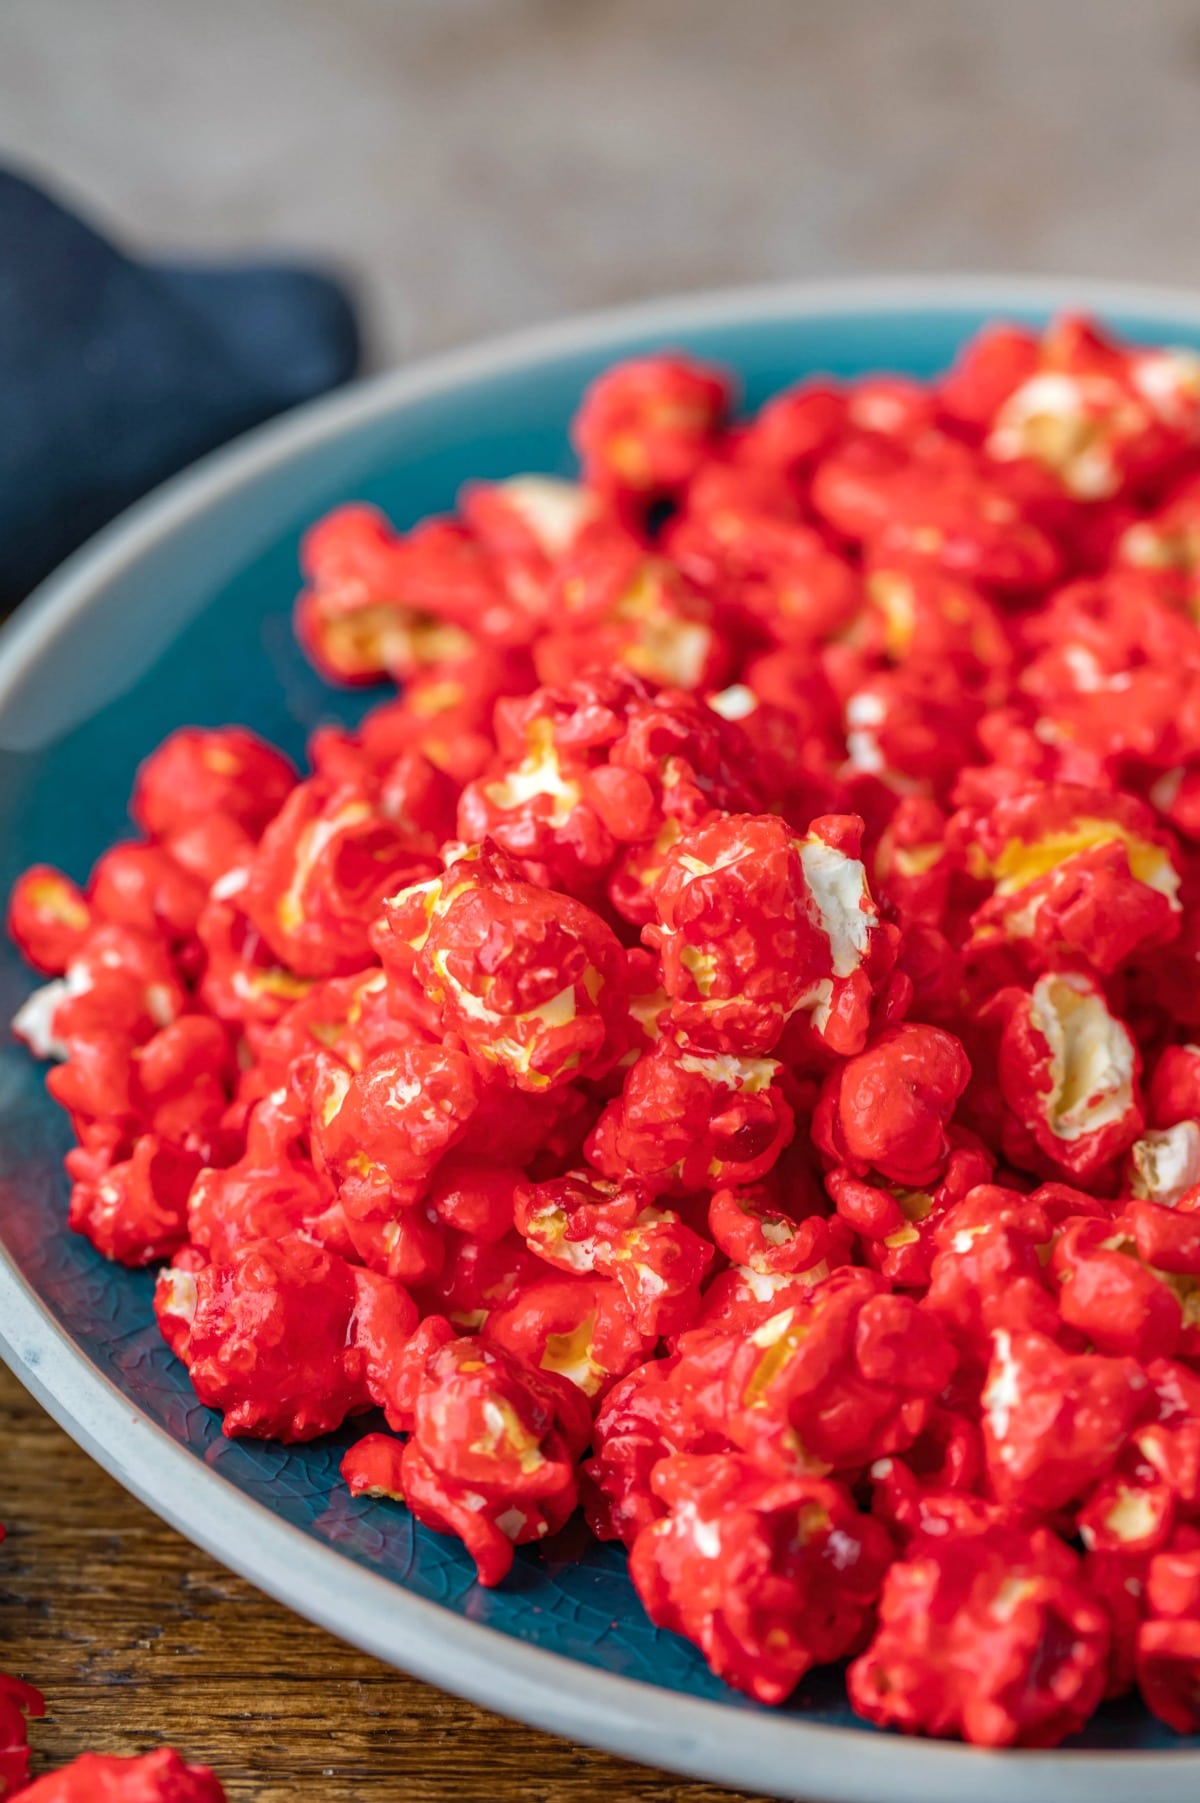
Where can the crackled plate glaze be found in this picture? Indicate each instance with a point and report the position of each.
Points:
(180, 613)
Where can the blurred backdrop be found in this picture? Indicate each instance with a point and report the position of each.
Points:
(475, 164)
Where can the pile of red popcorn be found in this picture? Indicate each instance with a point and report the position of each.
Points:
(717, 1047)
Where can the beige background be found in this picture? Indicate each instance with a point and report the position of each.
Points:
(482, 163)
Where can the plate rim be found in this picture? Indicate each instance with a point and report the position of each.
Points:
(700, 1738)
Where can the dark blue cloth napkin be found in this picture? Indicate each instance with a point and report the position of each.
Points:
(115, 373)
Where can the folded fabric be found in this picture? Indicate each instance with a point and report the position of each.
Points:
(116, 373)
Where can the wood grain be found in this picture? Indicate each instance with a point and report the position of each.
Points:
(138, 1639)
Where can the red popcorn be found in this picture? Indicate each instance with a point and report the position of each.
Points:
(1169, 1439)
(145, 887)
(1168, 1671)
(578, 1328)
(531, 984)
(989, 368)
(989, 1269)
(780, 1240)
(444, 716)
(645, 426)
(641, 1421)
(354, 1018)
(911, 730)
(266, 1338)
(479, 1276)
(1164, 549)
(756, 1232)
(174, 1086)
(888, 1108)
(832, 1382)
(121, 984)
(210, 848)
(242, 983)
(320, 875)
(546, 808)
(160, 1777)
(745, 1298)
(741, 540)
(793, 429)
(1077, 873)
(137, 1211)
(475, 1197)
(49, 918)
(491, 1457)
(1173, 1092)
(614, 605)
(937, 505)
(1054, 1421)
(580, 1223)
(17, 1701)
(382, 1330)
(930, 1487)
(1168, 1645)
(1127, 1517)
(1068, 1073)
(913, 867)
(526, 523)
(1110, 1295)
(381, 1133)
(597, 765)
(181, 1081)
(919, 619)
(380, 602)
(199, 773)
(767, 1577)
(1097, 417)
(990, 1636)
(1112, 677)
(271, 1189)
(688, 1121)
(372, 1467)
(897, 1226)
(755, 926)
(701, 1022)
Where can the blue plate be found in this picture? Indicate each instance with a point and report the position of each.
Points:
(181, 613)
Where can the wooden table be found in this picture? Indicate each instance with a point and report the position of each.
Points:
(137, 1638)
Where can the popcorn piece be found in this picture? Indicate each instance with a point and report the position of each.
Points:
(49, 918)
(768, 1578)
(198, 773)
(755, 926)
(17, 1701)
(265, 1338)
(531, 983)
(159, 1777)
(685, 1121)
(492, 1452)
(1068, 1071)
(580, 1223)
(644, 427)
(320, 875)
(990, 1636)
(1053, 1421)
(888, 1108)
